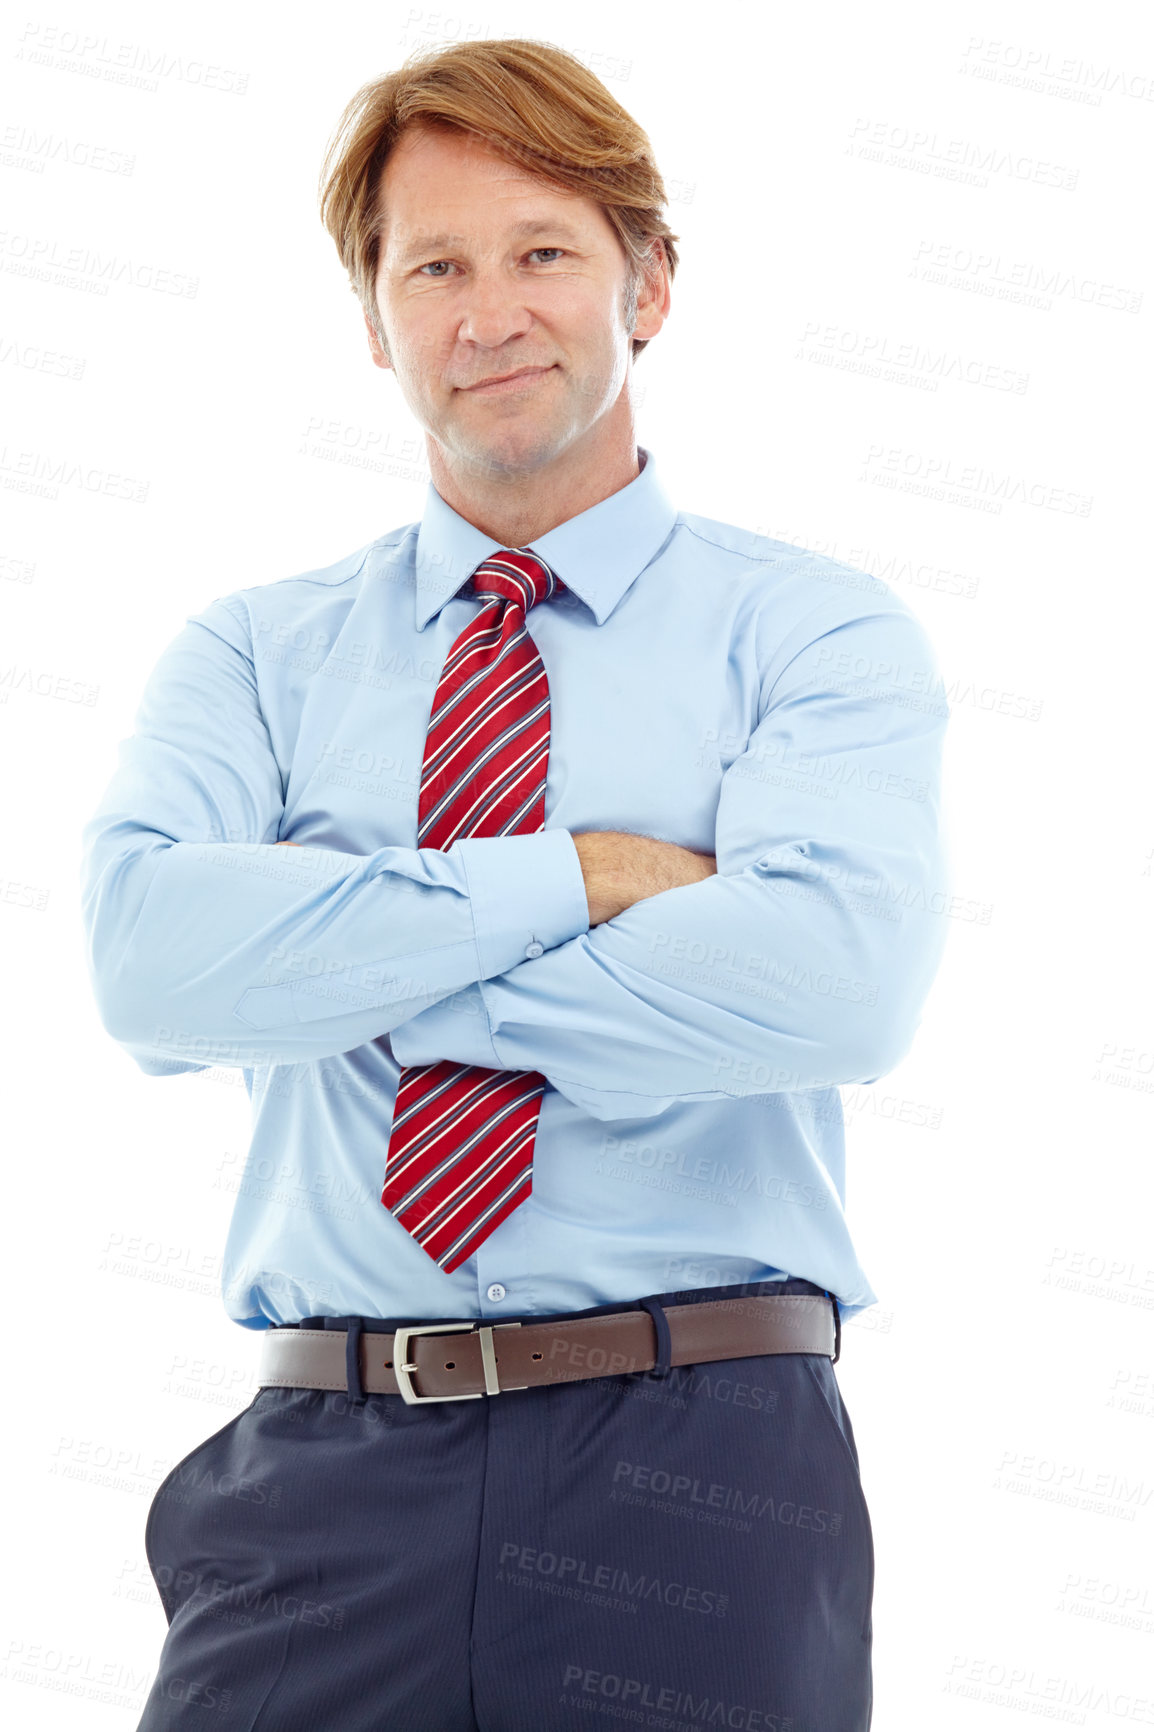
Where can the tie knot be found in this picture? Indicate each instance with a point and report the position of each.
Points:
(517, 576)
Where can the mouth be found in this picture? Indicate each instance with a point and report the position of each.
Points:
(507, 382)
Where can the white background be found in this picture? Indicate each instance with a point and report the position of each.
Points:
(885, 215)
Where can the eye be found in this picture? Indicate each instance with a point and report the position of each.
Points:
(434, 263)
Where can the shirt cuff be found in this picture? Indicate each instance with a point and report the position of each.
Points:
(527, 895)
(456, 1028)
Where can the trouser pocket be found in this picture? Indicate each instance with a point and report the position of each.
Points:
(172, 1510)
(214, 1529)
(834, 1424)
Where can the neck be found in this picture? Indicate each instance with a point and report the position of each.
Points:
(517, 507)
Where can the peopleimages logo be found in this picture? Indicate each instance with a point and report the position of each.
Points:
(611, 1578)
(726, 1497)
(583, 1682)
(183, 1586)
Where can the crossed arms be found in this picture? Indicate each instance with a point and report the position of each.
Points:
(797, 956)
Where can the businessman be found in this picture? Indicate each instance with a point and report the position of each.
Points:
(544, 865)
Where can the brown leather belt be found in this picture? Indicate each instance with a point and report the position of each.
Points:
(466, 1358)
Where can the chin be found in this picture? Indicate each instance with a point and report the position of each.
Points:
(511, 448)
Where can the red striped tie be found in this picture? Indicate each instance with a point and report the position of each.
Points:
(460, 1154)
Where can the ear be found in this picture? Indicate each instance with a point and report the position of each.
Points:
(380, 358)
(653, 297)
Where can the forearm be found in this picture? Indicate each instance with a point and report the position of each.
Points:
(242, 953)
(621, 868)
(208, 943)
(671, 1001)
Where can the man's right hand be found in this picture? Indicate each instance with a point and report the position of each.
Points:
(621, 869)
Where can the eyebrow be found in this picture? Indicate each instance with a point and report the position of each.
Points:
(529, 226)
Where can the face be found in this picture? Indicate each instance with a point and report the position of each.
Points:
(486, 271)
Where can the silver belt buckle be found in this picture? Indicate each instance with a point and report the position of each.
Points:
(466, 1325)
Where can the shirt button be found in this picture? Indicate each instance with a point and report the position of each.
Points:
(495, 1291)
(534, 949)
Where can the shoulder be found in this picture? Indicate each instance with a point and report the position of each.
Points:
(306, 608)
(815, 622)
(787, 583)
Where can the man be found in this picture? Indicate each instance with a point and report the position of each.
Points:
(613, 841)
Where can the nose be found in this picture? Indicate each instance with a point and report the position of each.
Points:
(494, 313)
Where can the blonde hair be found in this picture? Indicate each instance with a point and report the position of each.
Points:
(529, 102)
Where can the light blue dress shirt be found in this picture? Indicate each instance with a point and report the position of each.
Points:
(710, 687)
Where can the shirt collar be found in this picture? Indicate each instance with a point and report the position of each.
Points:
(596, 554)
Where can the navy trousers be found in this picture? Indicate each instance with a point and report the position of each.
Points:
(679, 1551)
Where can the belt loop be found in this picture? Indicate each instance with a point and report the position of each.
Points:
(836, 1326)
(353, 1359)
(664, 1344)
